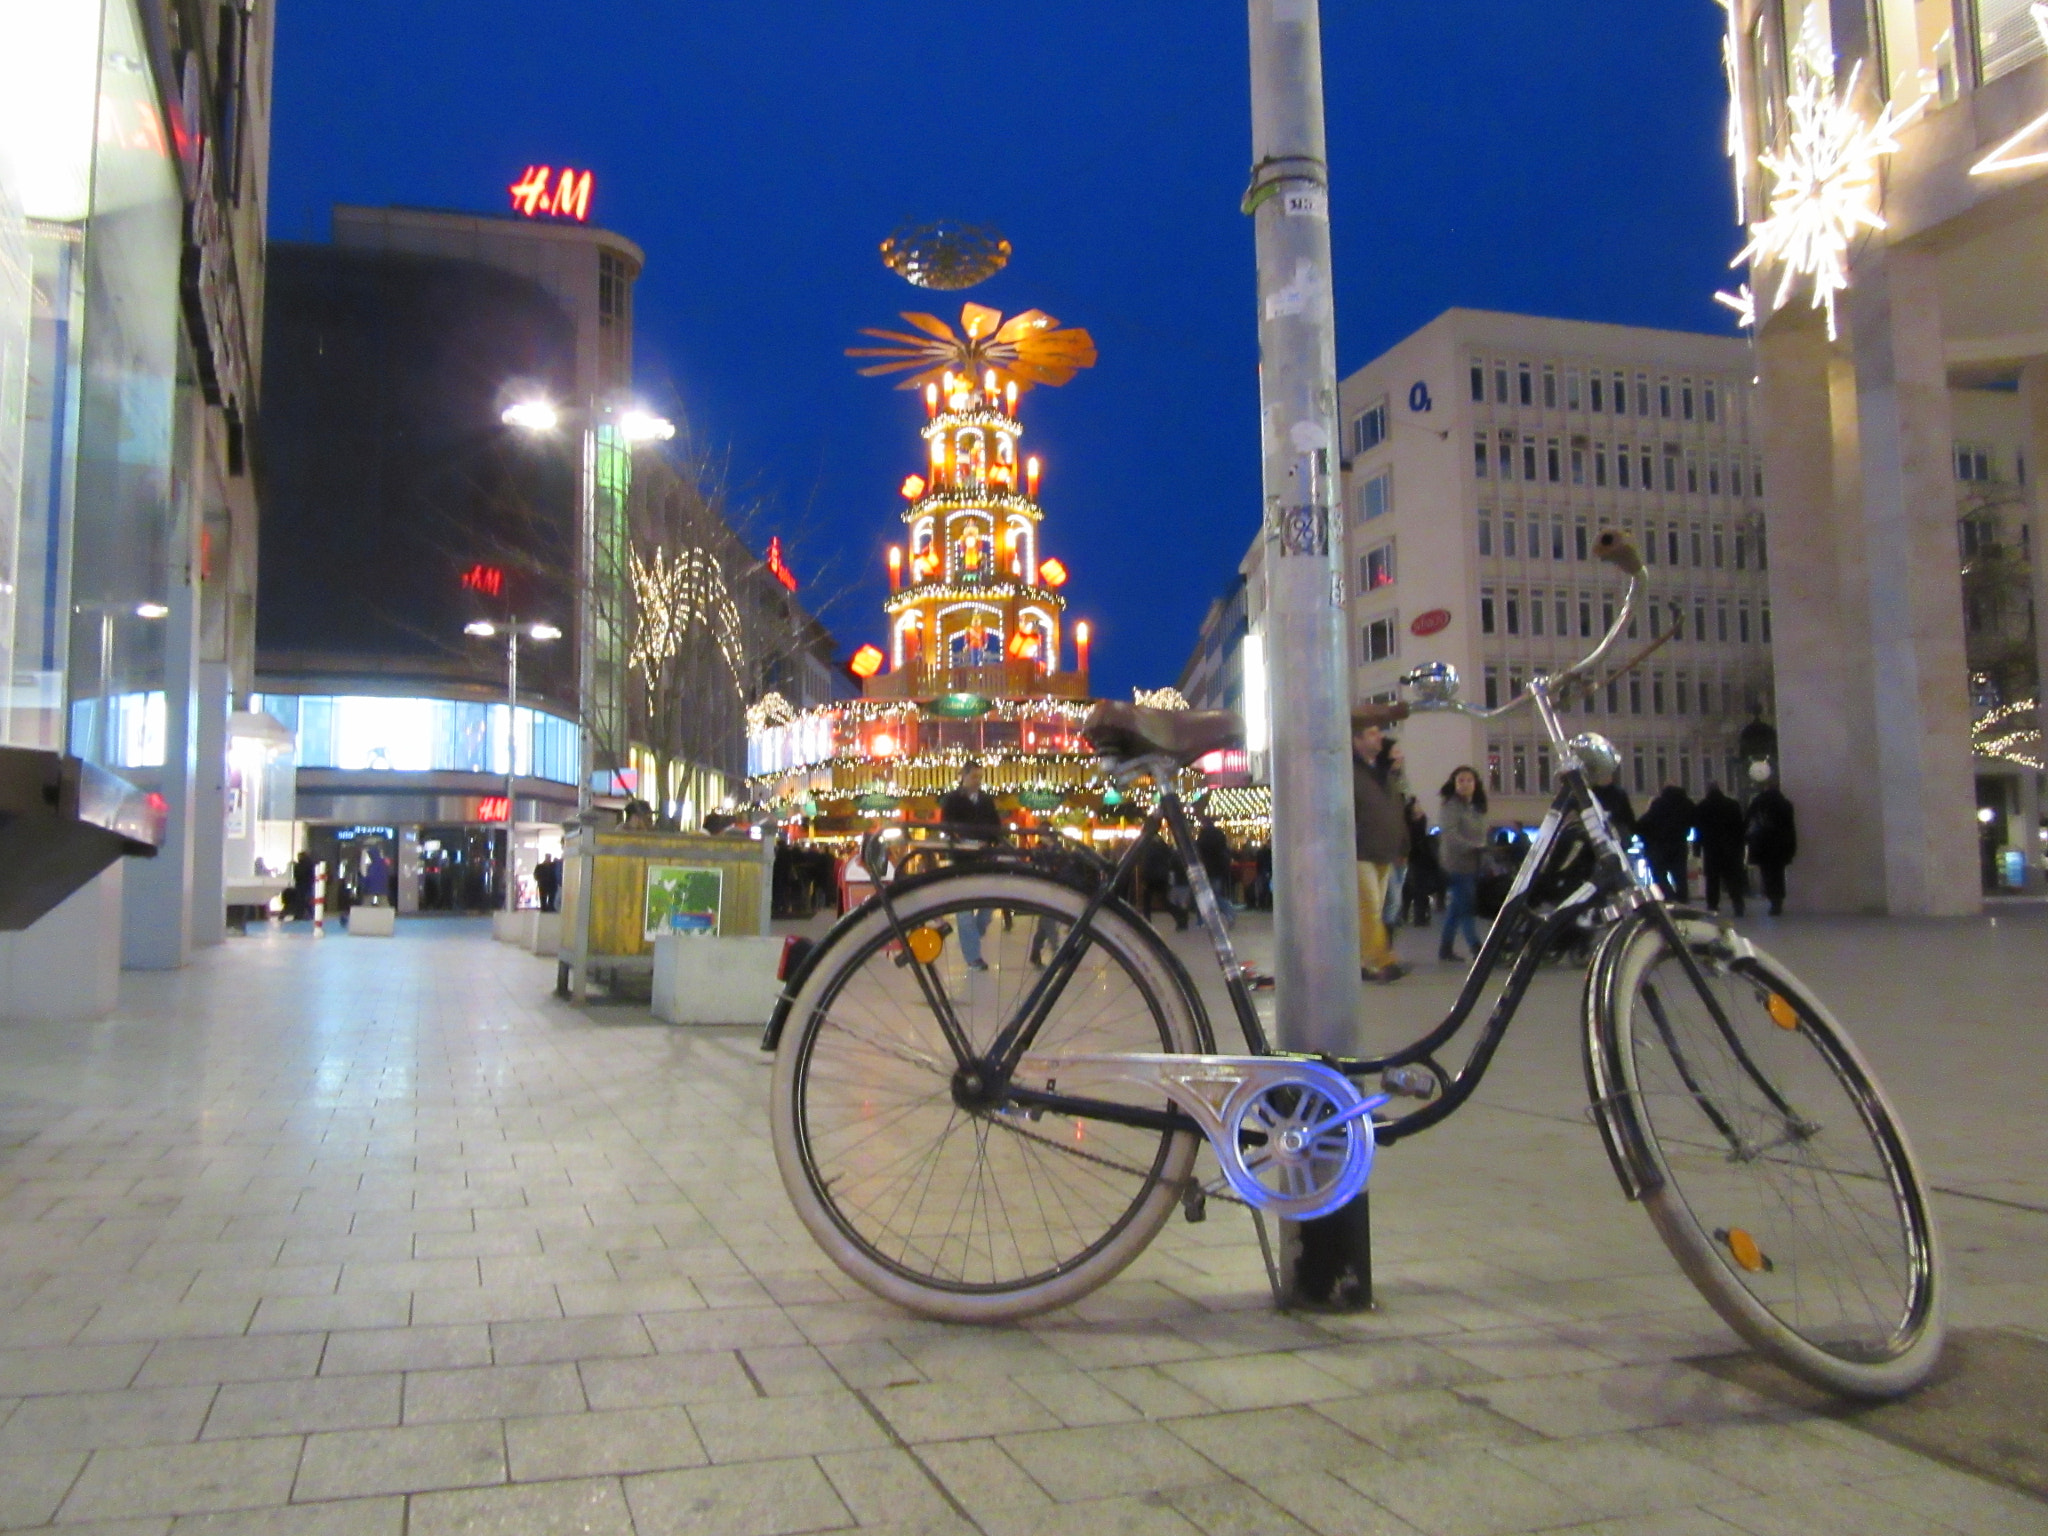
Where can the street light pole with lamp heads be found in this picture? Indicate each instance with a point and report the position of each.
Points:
(539, 632)
(635, 426)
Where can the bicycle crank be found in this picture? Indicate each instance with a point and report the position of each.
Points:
(1292, 1136)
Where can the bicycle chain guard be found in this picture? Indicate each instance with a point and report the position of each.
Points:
(1292, 1135)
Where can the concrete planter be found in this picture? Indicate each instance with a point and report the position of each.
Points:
(372, 922)
(715, 981)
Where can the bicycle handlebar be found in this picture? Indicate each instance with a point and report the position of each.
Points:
(1619, 551)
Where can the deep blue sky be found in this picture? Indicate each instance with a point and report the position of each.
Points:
(1558, 159)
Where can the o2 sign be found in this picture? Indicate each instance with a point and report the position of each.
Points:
(1433, 622)
(1418, 397)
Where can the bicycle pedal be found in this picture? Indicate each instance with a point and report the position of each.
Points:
(1194, 1203)
(1409, 1082)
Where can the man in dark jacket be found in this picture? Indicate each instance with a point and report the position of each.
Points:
(1719, 820)
(1380, 834)
(1665, 828)
(969, 813)
(1773, 840)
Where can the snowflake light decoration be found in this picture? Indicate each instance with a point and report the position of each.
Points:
(1824, 189)
(1743, 302)
(672, 597)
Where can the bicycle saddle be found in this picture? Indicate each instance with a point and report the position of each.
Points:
(1128, 731)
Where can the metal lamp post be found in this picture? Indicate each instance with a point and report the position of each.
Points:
(635, 426)
(1315, 898)
(511, 630)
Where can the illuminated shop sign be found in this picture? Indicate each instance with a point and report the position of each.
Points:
(487, 579)
(778, 567)
(546, 193)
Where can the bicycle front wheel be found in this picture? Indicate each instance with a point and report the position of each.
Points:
(1786, 1189)
(970, 1214)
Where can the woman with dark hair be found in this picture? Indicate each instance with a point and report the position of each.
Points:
(1460, 841)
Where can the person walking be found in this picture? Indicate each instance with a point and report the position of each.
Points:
(1380, 834)
(547, 882)
(1719, 820)
(1461, 843)
(1425, 869)
(1773, 835)
(1212, 847)
(1665, 829)
(969, 812)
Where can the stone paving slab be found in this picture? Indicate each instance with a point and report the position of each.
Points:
(334, 1239)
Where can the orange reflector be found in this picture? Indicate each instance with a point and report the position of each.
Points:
(1745, 1250)
(925, 944)
(1782, 1013)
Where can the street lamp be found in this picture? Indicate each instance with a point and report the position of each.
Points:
(634, 426)
(511, 630)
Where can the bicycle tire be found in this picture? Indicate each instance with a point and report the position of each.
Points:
(1779, 1176)
(1026, 1215)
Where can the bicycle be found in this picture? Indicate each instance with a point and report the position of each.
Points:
(982, 1146)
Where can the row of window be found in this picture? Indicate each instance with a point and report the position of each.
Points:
(1506, 455)
(1978, 464)
(1511, 612)
(1708, 544)
(1653, 693)
(1600, 392)
(1525, 767)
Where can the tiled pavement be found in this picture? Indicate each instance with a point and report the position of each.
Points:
(359, 1236)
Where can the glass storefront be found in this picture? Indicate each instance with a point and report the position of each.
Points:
(90, 340)
(360, 733)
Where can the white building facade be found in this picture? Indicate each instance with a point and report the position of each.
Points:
(1481, 458)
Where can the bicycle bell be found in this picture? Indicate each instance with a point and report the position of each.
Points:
(1434, 682)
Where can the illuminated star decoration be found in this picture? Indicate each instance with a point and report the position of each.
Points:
(1743, 302)
(1026, 349)
(672, 597)
(2003, 158)
(1824, 192)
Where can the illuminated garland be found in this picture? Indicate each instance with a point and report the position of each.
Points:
(958, 500)
(976, 416)
(772, 709)
(1159, 698)
(2022, 746)
(997, 591)
(672, 597)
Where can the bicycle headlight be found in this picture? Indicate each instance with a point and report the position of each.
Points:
(1598, 758)
(1434, 682)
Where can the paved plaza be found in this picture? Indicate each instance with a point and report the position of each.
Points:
(377, 1237)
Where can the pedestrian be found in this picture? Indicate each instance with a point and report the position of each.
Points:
(1380, 834)
(1425, 869)
(1212, 847)
(969, 813)
(1461, 846)
(1720, 824)
(301, 904)
(1158, 878)
(1773, 836)
(1666, 828)
(376, 879)
(547, 880)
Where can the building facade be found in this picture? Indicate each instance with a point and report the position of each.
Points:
(1481, 458)
(1895, 350)
(133, 166)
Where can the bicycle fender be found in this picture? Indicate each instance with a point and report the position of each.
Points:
(1612, 1109)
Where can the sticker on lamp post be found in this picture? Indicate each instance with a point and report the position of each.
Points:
(682, 900)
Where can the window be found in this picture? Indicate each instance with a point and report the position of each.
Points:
(1585, 617)
(1635, 693)
(1720, 553)
(1742, 622)
(1681, 693)
(1692, 473)
(1973, 461)
(1507, 455)
(1656, 693)
(1713, 477)
(1741, 550)
(1595, 386)
(1550, 386)
(1763, 552)
(1578, 461)
(1645, 466)
(1500, 383)
(1507, 537)
(1606, 614)
(1535, 613)
(1656, 621)
(1514, 613)
(1557, 539)
(1478, 384)
(1579, 546)
(1614, 697)
(1553, 468)
(1479, 456)
(1493, 765)
(1528, 458)
(1763, 620)
(1493, 687)
(1485, 533)
(1564, 617)
(1376, 496)
(1543, 769)
(1600, 464)
(1382, 639)
(1664, 398)
(1486, 626)
(1514, 682)
(1636, 765)
(1696, 546)
(1699, 618)
(1643, 395)
(1685, 398)
(1758, 488)
(1621, 395)
(1671, 466)
(1721, 619)
(1571, 390)
(1376, 569)
(1650, 546)
(1685, 770)
(1710, 399)
(1370, 430)
(1523, 385)
(1671, 544)
(1663, 764)
(1621, 463)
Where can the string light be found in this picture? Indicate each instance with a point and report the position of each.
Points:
(2022, 746)
(674, 596)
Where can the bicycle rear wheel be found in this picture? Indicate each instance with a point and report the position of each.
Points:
(1788, 1192)
(966, 1214)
